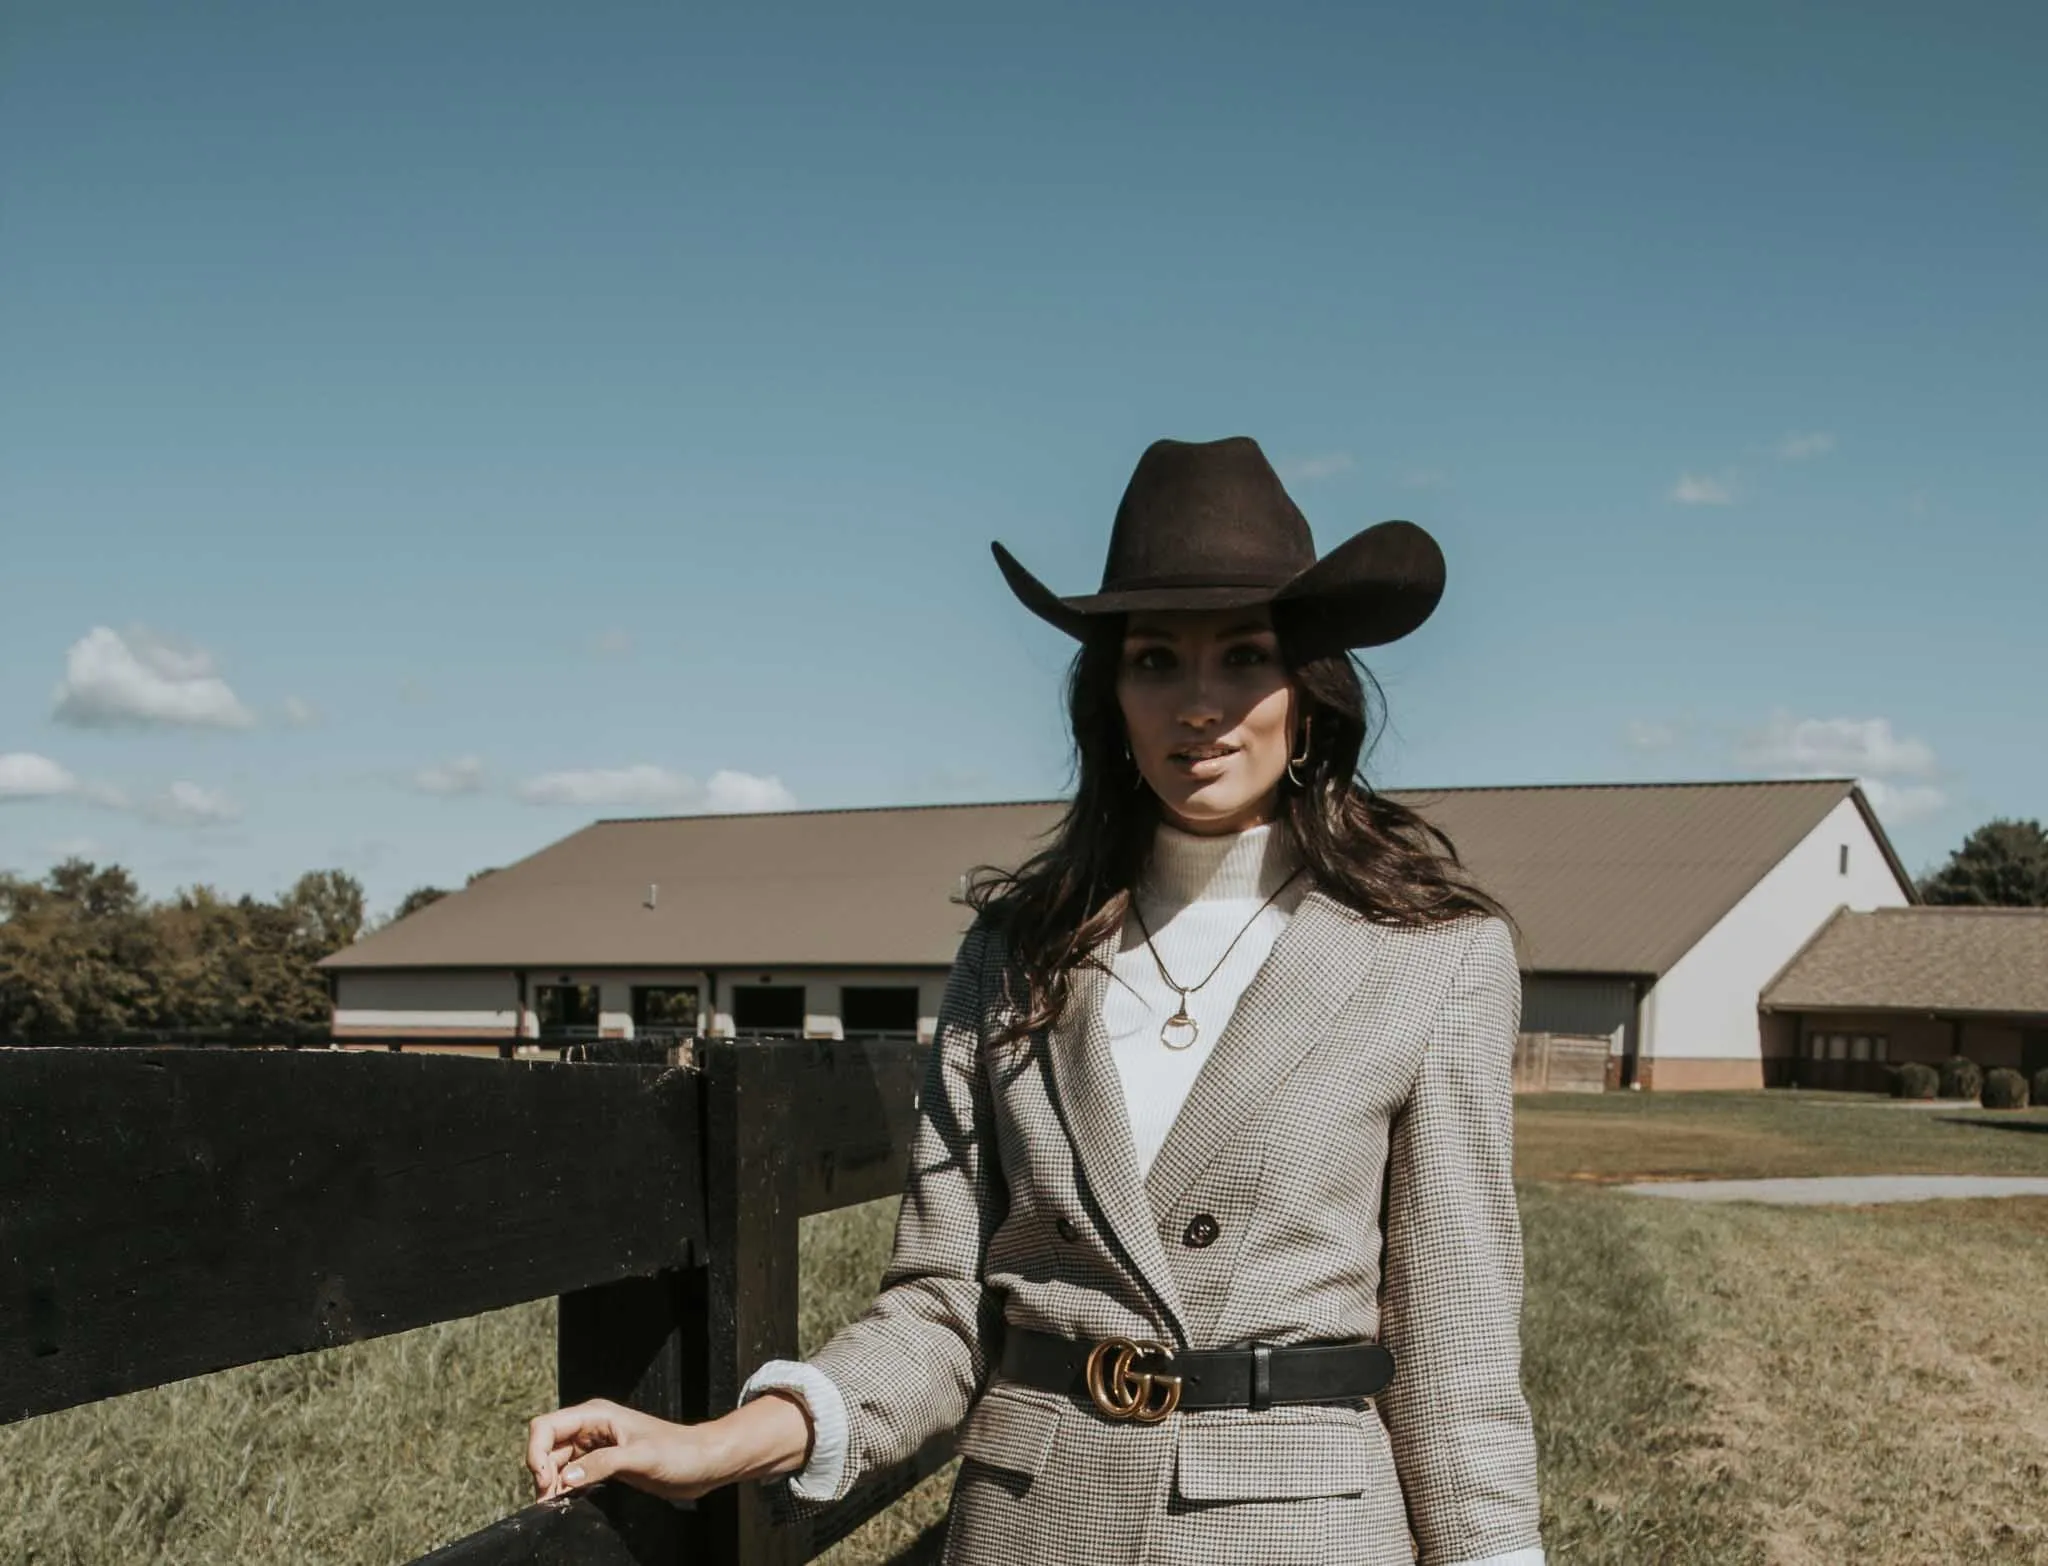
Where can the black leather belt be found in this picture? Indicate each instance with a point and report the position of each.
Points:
(1144, 1381)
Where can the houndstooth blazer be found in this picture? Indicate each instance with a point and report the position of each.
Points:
(1360, 1094)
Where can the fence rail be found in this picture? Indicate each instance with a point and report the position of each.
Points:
(173, 1211)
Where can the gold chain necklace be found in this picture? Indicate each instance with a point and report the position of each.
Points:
(1181, 1019)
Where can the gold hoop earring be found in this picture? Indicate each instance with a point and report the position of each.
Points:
(1303, 757)
(1137, 776)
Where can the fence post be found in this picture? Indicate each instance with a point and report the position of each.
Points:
(627, 1341)
(748, 1301)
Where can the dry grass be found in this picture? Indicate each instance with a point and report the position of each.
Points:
(375, 1452)
(1633, 1136)
(1713, 1386)
(1873, 1386)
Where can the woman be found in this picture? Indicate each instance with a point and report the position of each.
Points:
(1216, 1134)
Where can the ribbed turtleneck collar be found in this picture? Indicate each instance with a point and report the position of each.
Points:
(1188, 867)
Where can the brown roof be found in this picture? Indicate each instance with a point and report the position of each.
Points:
(1602, 878)
(1991, 960)
(1626, 877)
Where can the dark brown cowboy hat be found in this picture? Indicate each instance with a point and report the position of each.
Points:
(1208, 525)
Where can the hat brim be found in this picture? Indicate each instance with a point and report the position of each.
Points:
(1375, 587)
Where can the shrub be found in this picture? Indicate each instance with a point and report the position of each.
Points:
(1916, 1079)
(1961, 1077)
(2005, 1088)
(2041, 1087)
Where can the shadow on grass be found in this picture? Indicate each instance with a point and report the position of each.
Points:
(2037, 1127)
(1606, 1355)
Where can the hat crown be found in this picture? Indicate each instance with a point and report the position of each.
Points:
(1206, 513)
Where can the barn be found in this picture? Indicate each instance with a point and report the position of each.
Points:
(1890, 985)
(1652, 915)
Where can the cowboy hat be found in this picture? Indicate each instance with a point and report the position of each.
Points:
(1208, 525)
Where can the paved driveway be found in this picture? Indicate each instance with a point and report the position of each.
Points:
(1846, 1190)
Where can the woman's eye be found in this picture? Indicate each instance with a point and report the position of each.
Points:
(1152, 658)
(1252, 653)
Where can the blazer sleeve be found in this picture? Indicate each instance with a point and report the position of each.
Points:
(910, 1365)
(1452, 1289)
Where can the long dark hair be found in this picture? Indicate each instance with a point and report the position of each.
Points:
(1374, 855)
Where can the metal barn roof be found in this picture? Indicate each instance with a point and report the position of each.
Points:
(1602, 878)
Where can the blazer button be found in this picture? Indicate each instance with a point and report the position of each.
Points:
(1201, 1231)
(1066, 1228)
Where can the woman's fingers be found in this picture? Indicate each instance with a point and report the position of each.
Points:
(552, 1437)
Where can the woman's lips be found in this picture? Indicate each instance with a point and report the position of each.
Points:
(1202, 761)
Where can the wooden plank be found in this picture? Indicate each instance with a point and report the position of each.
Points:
(753, 1152)
(878, 1494)
(927, 1549)
(164, 1213)
(566, 1531)
(853, 1109)
(626, 1341)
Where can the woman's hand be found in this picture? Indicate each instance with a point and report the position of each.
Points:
(573, 1448)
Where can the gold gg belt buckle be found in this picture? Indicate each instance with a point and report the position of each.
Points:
(1121, 1391)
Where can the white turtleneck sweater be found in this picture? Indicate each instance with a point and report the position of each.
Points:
(1197, 894)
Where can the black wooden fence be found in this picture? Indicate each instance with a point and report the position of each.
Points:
(169, 1212)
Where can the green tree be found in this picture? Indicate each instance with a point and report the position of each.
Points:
(2003, 864)
(327, 909)
(79, 954)
(415, 900)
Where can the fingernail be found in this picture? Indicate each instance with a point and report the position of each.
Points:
(573, 1475)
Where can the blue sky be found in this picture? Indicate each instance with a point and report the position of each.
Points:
(424, 429)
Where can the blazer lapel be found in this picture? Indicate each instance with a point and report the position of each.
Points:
(1320, 958)
(1091, 1097)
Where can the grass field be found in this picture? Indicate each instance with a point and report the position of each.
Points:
(1713, 1386)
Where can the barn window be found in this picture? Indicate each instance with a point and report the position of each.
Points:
(566, 1010)
(665, 1008)
(768, 1008)
(1844, 867)
(879, 1009)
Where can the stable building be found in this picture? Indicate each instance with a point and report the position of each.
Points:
(1649, 915)
(1878, 989)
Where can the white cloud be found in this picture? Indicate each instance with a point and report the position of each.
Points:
(75, 848)
(1896, 773)
(1899, 803)
(1650, 737)
(657, 788)
(1309, 469)
(300, 713)
(1695, 489)
(143, 679)
(643, 785)
(612, 644)
(732, 792)
(1835, 747)
(1796, 448)
(27, 776)
(1425, 478)
(463, 775)
(24, 775)
(188, 804)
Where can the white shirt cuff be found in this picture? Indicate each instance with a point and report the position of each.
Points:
(818, 1480)
(1533, 1556)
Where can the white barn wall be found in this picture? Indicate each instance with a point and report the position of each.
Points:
(1699, 1020)
(425, 1002)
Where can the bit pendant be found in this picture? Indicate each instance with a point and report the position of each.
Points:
(1179, 1020)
